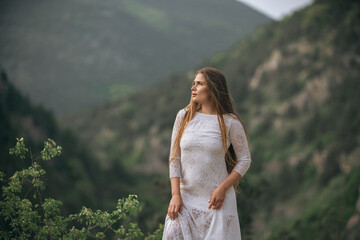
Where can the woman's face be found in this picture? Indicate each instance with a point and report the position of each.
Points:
(200, 90)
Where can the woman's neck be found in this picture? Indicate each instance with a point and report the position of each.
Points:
(208, 109)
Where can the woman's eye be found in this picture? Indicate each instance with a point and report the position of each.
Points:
(199, 83)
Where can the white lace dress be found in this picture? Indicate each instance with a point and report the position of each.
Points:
(201, 168)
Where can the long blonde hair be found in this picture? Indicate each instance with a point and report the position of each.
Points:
(221, 98)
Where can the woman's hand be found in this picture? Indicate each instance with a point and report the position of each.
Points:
(217, 198)
(175, 206)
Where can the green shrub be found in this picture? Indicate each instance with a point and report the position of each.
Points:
(25, 214)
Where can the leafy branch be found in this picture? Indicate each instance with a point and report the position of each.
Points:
(29, 216)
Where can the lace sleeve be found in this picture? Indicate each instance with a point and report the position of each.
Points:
(175, 165)
(240, 144)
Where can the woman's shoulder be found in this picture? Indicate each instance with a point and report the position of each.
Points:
(182, 110)
(234, 120)
(231, 116)
(181, 113)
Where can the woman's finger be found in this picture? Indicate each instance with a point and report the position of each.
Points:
(218, 205)
(172, 213)
(211, 204)
(176, 211)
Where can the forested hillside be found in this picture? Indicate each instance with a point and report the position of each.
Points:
(295, 84)
(75, 178)
(72, 54)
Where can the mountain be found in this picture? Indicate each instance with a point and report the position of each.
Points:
(75, 177)
(296, 85)
(73, 54)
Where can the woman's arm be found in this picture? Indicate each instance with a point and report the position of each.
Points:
(218, 195)
(176, 203)
(230, 180)
(175, 186)
(240, 144)
(175, 164)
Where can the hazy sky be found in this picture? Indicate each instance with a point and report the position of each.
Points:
(276, 8)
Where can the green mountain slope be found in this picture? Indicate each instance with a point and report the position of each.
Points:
(72, 54)
(296, 85)
(75, 177)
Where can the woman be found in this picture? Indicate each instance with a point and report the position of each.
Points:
(209, 153)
